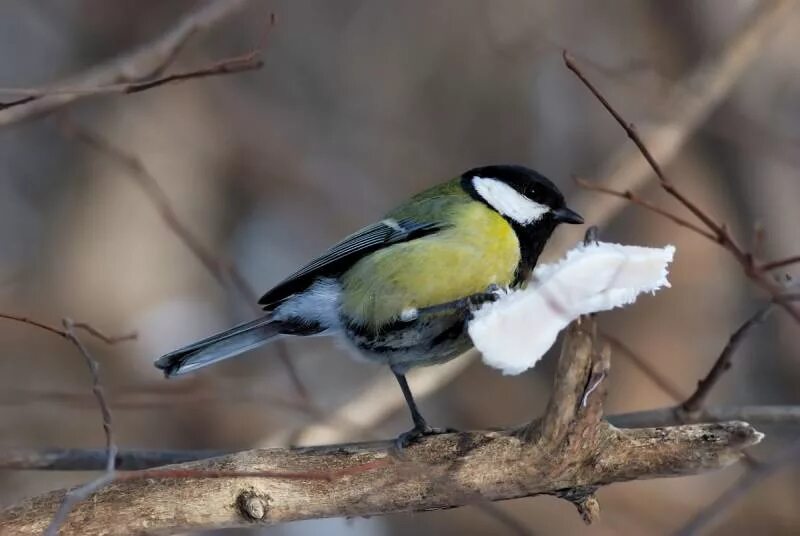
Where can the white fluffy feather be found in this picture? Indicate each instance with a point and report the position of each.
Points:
(320, 303)
(509, 202)
(514, 332)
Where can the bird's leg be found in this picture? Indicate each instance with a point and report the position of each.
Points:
(421, 427)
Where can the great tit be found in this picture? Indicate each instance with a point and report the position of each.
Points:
(400, 291)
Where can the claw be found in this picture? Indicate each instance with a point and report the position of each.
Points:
(491, 294)
(418, 432)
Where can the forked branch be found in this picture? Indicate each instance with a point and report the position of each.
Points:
(569, 453)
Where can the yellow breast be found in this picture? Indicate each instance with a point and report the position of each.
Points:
(479, 249)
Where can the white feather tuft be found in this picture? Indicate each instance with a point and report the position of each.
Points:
(514, 332)
(319, 303)
(509, 202)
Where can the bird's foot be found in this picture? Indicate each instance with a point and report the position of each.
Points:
(491, 294)
(418, 432)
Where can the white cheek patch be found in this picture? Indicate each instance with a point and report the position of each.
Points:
(508, 202)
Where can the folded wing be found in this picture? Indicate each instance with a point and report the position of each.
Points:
(344, 254)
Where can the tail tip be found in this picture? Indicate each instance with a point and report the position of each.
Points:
(168, 366)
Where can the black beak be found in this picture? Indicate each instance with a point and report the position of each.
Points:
(567, 215)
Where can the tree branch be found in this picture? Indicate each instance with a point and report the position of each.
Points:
(136, 459)
(147, 62)
(569, 453)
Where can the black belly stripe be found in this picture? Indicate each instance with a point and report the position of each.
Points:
(395, 337)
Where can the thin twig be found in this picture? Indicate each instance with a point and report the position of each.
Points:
(88, 328)
(108, 339)
(140, 65)
(633, 134)
(73, 497)
(719, 232)
(690, 103)
(246, 62)
(723, 363)
(221, 270)
(635, 199)
(780, 263)
(80, 493)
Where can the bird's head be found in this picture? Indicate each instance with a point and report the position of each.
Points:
(521, 195)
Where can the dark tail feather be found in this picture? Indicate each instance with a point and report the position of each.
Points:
(221, 346)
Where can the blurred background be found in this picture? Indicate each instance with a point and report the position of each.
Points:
(359, 105)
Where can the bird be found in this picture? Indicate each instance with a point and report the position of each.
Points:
(400, 292)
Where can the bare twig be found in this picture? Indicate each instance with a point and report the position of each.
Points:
(88, 328)
(780, 263)
(568, 459)
(742, 487)
(247, 62)
(633, 134)
(690, 103)
(718, 231)
(224, 272)
(108, 339)
(141, 65)
(635, 199)
(76, 495)
(695, 402)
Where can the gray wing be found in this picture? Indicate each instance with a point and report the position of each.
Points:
(344, 254)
